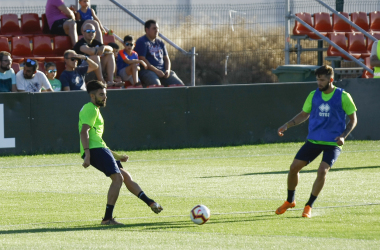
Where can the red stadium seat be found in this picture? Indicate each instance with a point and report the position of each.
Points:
(322, 23)
(10, 25)
(4, 45)
(41, 66)
(60, 68)
(108, 39)
(16, 67)
(21, 49)
(45, 25)
(356, 45)
(61, 44)
(42, 48)
(370, 42)
(366, 74)
(340, 40)
(299, 29)
(374, 21)
(360, 19)
(30, 24)
(339, 25)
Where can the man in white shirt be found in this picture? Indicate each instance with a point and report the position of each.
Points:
(32, 80)
(7, 75)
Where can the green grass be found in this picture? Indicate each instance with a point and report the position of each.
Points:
(51, 202)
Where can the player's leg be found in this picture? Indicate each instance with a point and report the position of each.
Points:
(113, 194)
(330, 155)
(108, 64)
(135, 189)
(307, 153)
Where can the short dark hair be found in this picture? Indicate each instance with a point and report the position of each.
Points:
(325, 70)
(3, 54)
(50, 64)
(94, 85)
(128, 38)
(114, 45)
(29, 63)
(149, 22)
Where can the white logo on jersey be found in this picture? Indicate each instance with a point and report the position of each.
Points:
(324, 108)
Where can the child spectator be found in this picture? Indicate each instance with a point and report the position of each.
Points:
(87, 13)
(128, 62)
(51, 73)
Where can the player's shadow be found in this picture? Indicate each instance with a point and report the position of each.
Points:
(144, 226)
(286, 172)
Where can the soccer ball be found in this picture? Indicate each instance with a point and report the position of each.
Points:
(200, 214)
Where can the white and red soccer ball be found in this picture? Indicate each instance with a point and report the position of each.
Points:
(200, 214)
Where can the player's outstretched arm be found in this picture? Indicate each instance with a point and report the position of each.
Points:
(350, 126)
(84, 138)
(298, 119)
(122, 158)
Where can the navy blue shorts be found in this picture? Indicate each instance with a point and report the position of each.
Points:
(103, 160)
(309, 151)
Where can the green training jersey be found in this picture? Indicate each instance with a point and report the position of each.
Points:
(90, 115)
(348, 106)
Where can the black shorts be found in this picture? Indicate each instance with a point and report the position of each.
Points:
(79, 27)
(103, 160)
(309, 151)
(57, 27)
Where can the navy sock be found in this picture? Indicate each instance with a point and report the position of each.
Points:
(291, 195)
(109, 212)
(311, 200)
(145, 198)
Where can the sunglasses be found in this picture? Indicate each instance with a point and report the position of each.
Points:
(90, 31)
(31, 62)
(129, 44)
(52, 70)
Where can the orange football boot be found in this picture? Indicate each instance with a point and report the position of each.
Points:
(285, 207)
(307, 212)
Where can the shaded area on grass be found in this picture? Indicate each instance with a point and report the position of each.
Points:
(286, 172)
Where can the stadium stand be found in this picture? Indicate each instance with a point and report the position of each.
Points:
(10, 25)
(370, 42)
(30, 24)
(322, 23)
(15, 67)
(366, 74)
(360, 19)
(61, 44)
(357, 45)
(299, 29)
(4, 44)
(339, 25)
(340, 40)
(42, 47)
(374, 21)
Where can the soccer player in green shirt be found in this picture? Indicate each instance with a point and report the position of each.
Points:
(327, 107)
(95, 152)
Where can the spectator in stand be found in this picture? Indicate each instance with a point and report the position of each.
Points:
(152, 51)
(375, 60)
(87, 13)
(30, 79)
(61, 20)
(51, 73)
(128, 62)
(73, 77)
(7, 75)
(99, 53)
(115, 49)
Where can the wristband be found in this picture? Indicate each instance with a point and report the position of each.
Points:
(86, 58)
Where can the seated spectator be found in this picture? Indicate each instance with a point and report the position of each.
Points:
(51, 73)
(152, 51)
(98, 52)
(128, 62)
(61, 20)
(115, 49)
(7, 74)
(87, 13)
(30, 79)
(73, 77)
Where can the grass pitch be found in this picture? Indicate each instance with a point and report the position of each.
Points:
(51, 202)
